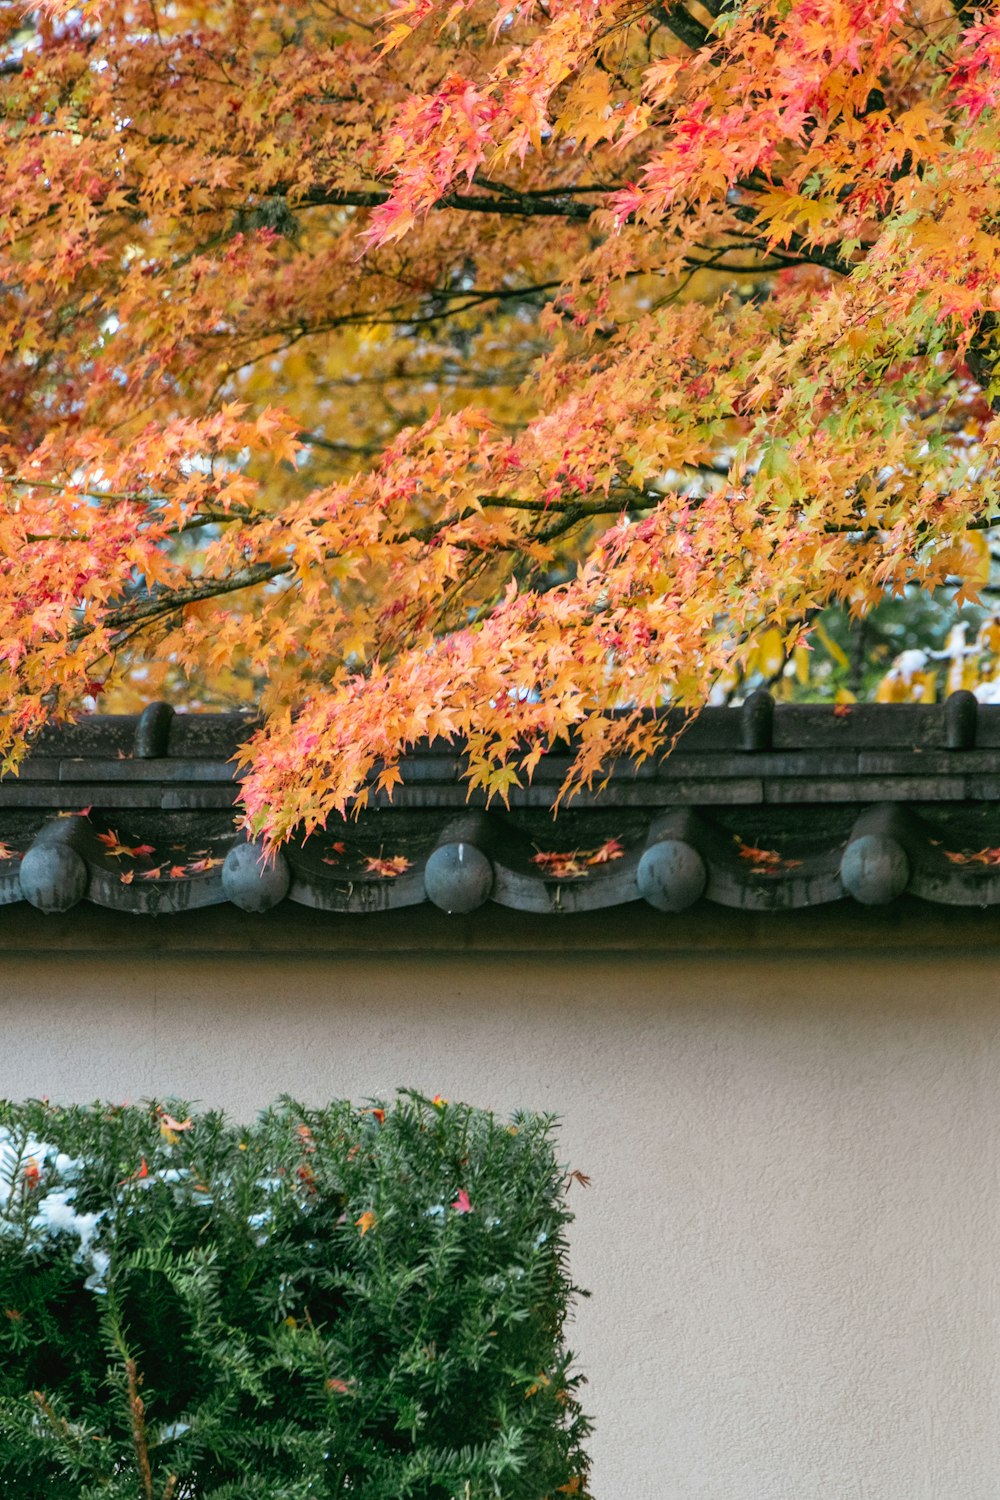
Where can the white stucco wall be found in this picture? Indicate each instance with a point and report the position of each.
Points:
(793, 1232)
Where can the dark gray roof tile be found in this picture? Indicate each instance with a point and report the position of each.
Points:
(762, 808)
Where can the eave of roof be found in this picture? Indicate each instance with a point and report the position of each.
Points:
(760, 808)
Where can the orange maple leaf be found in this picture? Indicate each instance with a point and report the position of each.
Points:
(758, 856)
(391, 866)
(366, 1221)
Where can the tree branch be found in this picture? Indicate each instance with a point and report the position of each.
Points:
(683, 25)
(482, 203)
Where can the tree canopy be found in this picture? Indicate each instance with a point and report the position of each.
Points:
(453, 368)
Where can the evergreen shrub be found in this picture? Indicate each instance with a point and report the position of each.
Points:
(335, 1302)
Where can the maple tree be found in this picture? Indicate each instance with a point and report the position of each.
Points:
(450, 368)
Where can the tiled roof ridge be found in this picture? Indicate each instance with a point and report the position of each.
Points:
(760, 807)
(759, 723)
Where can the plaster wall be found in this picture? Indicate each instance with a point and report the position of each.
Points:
(793, 1232)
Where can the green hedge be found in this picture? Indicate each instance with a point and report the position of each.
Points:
(338, 1302)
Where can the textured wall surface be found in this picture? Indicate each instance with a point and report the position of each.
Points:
(793, 1232)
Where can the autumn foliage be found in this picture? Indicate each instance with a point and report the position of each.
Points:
(457, 369)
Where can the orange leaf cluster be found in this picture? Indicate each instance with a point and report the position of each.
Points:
(978, 857)
(564, 865)
(765, 861)
(445, 369)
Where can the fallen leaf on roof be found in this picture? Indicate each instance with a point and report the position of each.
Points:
(758, 856)
(391, 866)
(559, 864)
(609, 850)
(117, 849)
(765, 861)
(564, 864)
(977, 857)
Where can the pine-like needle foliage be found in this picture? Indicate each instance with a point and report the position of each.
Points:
(333, 1302)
